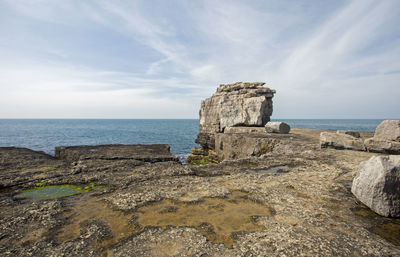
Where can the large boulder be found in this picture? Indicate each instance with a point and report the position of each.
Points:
(378, 145)
(377, 185)
(388, 130)
(238, 104)
(386, 138)
(340, 141)
(277, 127)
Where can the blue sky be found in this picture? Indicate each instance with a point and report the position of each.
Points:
(158, 59)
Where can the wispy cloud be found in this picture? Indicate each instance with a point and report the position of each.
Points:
(324, 59)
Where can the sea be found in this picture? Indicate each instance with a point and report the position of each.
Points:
(180, 134)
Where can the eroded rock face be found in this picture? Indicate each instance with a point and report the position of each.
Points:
(241, 103)
(231, 146)
(341, 141)
(377, 185)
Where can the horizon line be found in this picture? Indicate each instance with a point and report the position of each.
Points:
(272, 119)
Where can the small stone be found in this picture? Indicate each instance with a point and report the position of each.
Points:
(349, 132)
(377, 184)
(277, 127)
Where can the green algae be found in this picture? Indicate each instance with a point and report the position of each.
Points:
(48, 168)
(46, 192)
(203, 161)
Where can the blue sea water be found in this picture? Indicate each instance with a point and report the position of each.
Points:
(335, 124)
(45, 134)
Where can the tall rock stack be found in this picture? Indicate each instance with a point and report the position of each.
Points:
(238, 104)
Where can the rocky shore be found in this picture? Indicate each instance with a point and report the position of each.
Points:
(293, 200)
(249, 191)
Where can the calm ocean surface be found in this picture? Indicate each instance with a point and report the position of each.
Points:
(45, 134)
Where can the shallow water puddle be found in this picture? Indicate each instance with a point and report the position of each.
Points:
(87, 208)
(43, 192)
(387, 228)
(218, 219)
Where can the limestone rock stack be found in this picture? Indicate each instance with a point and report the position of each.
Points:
(238, 104)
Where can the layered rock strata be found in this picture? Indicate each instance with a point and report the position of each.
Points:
(202, 156)
(238, 104)
(242, 144)
(146, 153)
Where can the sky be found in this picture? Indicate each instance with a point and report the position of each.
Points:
(159, 59)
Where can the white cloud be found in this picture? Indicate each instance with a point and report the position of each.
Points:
(322, 62)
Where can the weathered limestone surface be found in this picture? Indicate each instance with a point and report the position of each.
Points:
(341, 141)
(231, 146)
(309, 205)
(277, 127)
(147, 153)
(238, 104)
(377, 185)
(388, 130)
(378, 145)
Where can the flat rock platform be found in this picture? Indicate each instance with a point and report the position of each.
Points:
(294, 200)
